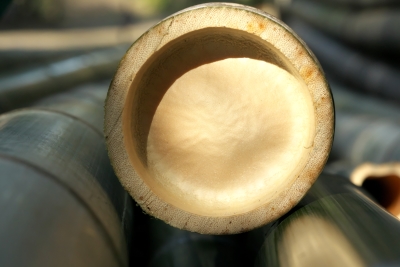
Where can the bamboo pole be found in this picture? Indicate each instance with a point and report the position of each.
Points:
(364, 138)
(336, 224)
(363, 3)
(22, 88)
(86, 102)
(358, 70)
(218, 119)
(21, 49)
(375, 28)
(381, 181)
(61, 204)
(348, 100)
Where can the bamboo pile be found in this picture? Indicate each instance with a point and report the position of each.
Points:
(356, 42)
(218, 123)
(336, 224)
(58, 190)
(202, 122)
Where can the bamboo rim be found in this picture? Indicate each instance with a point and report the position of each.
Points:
(382, 181)
(286, 51)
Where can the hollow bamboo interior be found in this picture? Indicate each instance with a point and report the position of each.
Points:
(218, 119)
(382, 181)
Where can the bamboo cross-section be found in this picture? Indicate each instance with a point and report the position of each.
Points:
(381, 181)
(219, 119)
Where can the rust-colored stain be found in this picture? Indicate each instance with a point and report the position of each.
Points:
(250, 27)
(307, 72)
(141, 198)
(261, 26)
(255, 26)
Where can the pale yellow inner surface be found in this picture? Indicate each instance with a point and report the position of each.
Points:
(228, 135)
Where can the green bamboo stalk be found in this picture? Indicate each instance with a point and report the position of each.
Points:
(61, 202)
(351, 67)
(350, 101)
(336, 224)
(22, 88)
(375, 28)
(381, 181)
(85, 102)
(362, 3)
(361, 138)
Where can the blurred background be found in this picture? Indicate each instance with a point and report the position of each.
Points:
(52, 46)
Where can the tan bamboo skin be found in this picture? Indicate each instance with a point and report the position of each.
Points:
(218, 119)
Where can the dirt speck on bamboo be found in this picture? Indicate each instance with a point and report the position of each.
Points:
(219, 119)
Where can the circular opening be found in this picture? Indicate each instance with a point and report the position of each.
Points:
(386, 191)
(217, 122)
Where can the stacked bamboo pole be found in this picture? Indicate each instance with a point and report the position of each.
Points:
(21, 88)
(39, 63)
(336, 224)
(381, 181)
(375, 28)
(218, 119)
(359, 70)
(61, 203)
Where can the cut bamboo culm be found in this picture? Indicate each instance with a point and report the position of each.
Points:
(374, 28)
(364, 138)
(218, 119)
(381, 181)
(335, 225)
(61, 204)
(356, 69)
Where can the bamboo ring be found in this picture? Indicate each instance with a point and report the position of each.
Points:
(219, 119)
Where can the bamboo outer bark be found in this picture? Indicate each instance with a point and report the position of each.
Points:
(60, 200)
(336, 224)
(371, 28)
(365, 138)
(22, 88)
(356, 69)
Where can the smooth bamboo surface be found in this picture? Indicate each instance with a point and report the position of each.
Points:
(85, 102)
(359, 4)
(21, 49)
(365, 138)
(381, 181)
(348, 100)
(203, 121)
(61, 202)
(374, 28)
(21, 88)
(358, 70)
(336, 224)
